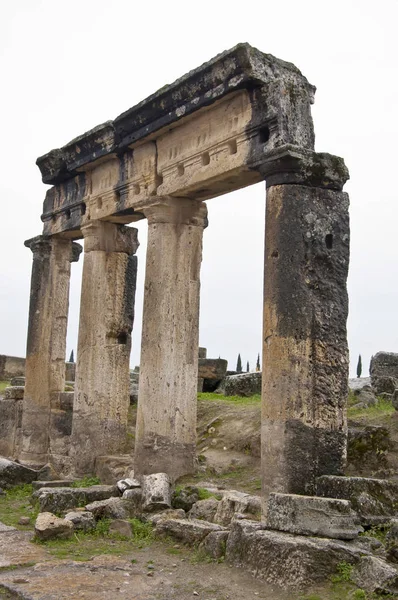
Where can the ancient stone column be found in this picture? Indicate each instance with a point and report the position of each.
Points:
(167, 397)
(46, 345)
(106, 320)
(305, 353)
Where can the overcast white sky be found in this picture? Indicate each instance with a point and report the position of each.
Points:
(68, 66)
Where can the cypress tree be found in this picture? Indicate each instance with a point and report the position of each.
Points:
(247, 367)
(258, 368)
(72, 358)
(359, 366)
(239, 365)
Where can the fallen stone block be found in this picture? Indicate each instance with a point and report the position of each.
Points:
(204, 510)
(82, 520)
(311, 515)
(166, 515)
(187, 531)
(243, 384)
(234, 502)
(112, 468)
(112, 508)
(384, 372)
(48, 473)
(15, 392)
(134, 496)
(215, 544)
(127, 484)
(367, 448)
(121, 527)
(5, 528)
(48, 527)
(375, 500)
(185, 498)
(375, 575)
(156, 492)
(17, 381)
(59, 483)
(286, 560)
(60, 499)
(12, 473)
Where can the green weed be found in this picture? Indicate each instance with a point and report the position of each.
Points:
(256, 399)
(344, 571)
(86, 482)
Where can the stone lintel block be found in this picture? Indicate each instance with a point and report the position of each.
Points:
(294, 165)
(375, 500)
(188, 531)
(15, 392)
(59, 499)
(108, 237)
(242, 67)
(288, 561)
(309, 515)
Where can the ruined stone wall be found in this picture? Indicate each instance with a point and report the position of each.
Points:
(11, 366)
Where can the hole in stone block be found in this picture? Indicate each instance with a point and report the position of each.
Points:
(329, 241)
(233, 147)
(264, 135)
(136, 189)
(83, 208)
(67, 214)
(205, 159)
(275, 254)
(180, 170)
(158, 179)
(122, 338)
(99, 203)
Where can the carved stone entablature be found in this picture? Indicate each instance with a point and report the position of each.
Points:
(204, 135)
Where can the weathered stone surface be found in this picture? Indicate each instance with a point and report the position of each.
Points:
(309, 515)
(212, 371)
(127, 484)
(204, 510)
(357, 383)
(185, 498)
(215, 544)
(134, 496)
(82, 520)
(202, 353)
(367, 448)
(48, 473)
(70, 371)
(384, 372)
(166, 418)
(59, 483)
(375, 500)
(112, 468)
(375, 575)
(60, 499)
(166, 515)
(46, 345)
(106, 321)
(156, 492)
(243, 384)
(14, 393)
(5, 528)
(234, 502)
(392, 541)
(289, 561)
(12, 473)
(366, 396)
(121, 527)
(188, 531)
(48, 527)
(10, 427)
(113, 508)
(17, 381)
(305, 352)
(10, 367)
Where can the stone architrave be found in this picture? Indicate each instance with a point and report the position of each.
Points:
(106, 320)
(305, 353)
(166, 420)
(46, 345)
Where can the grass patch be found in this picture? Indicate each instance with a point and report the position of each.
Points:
(15, 503)
(343, 574)
(382, 408)
(3, 385)
(256, 399)
(86, 482)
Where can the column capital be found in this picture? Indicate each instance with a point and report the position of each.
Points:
(295, 165)
(180, 211)
(39, 245)
(76, 251)
(110, 237)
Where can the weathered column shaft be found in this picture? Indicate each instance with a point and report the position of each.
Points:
(46, 345)
(305, 354)
(166, 421)
(106, 320)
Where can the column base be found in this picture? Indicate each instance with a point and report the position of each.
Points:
(159, 454)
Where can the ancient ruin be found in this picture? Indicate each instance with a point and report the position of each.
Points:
(241, 118)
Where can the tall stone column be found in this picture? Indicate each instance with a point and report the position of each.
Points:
(166, 420)
(305, 353)
(106, 320)
(46, 345)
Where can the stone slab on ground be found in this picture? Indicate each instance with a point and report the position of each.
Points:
(14, 392)
(16, 549)
(234, 502)
(376, 575)
(375, 500)
(188, 531)
(243, 384)
(4, 528)
(58, 483)
(82, 520)
(113, 508)
(286, 560)
(59, 499)
(12, 473)
(313, 516)
(50, 527)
